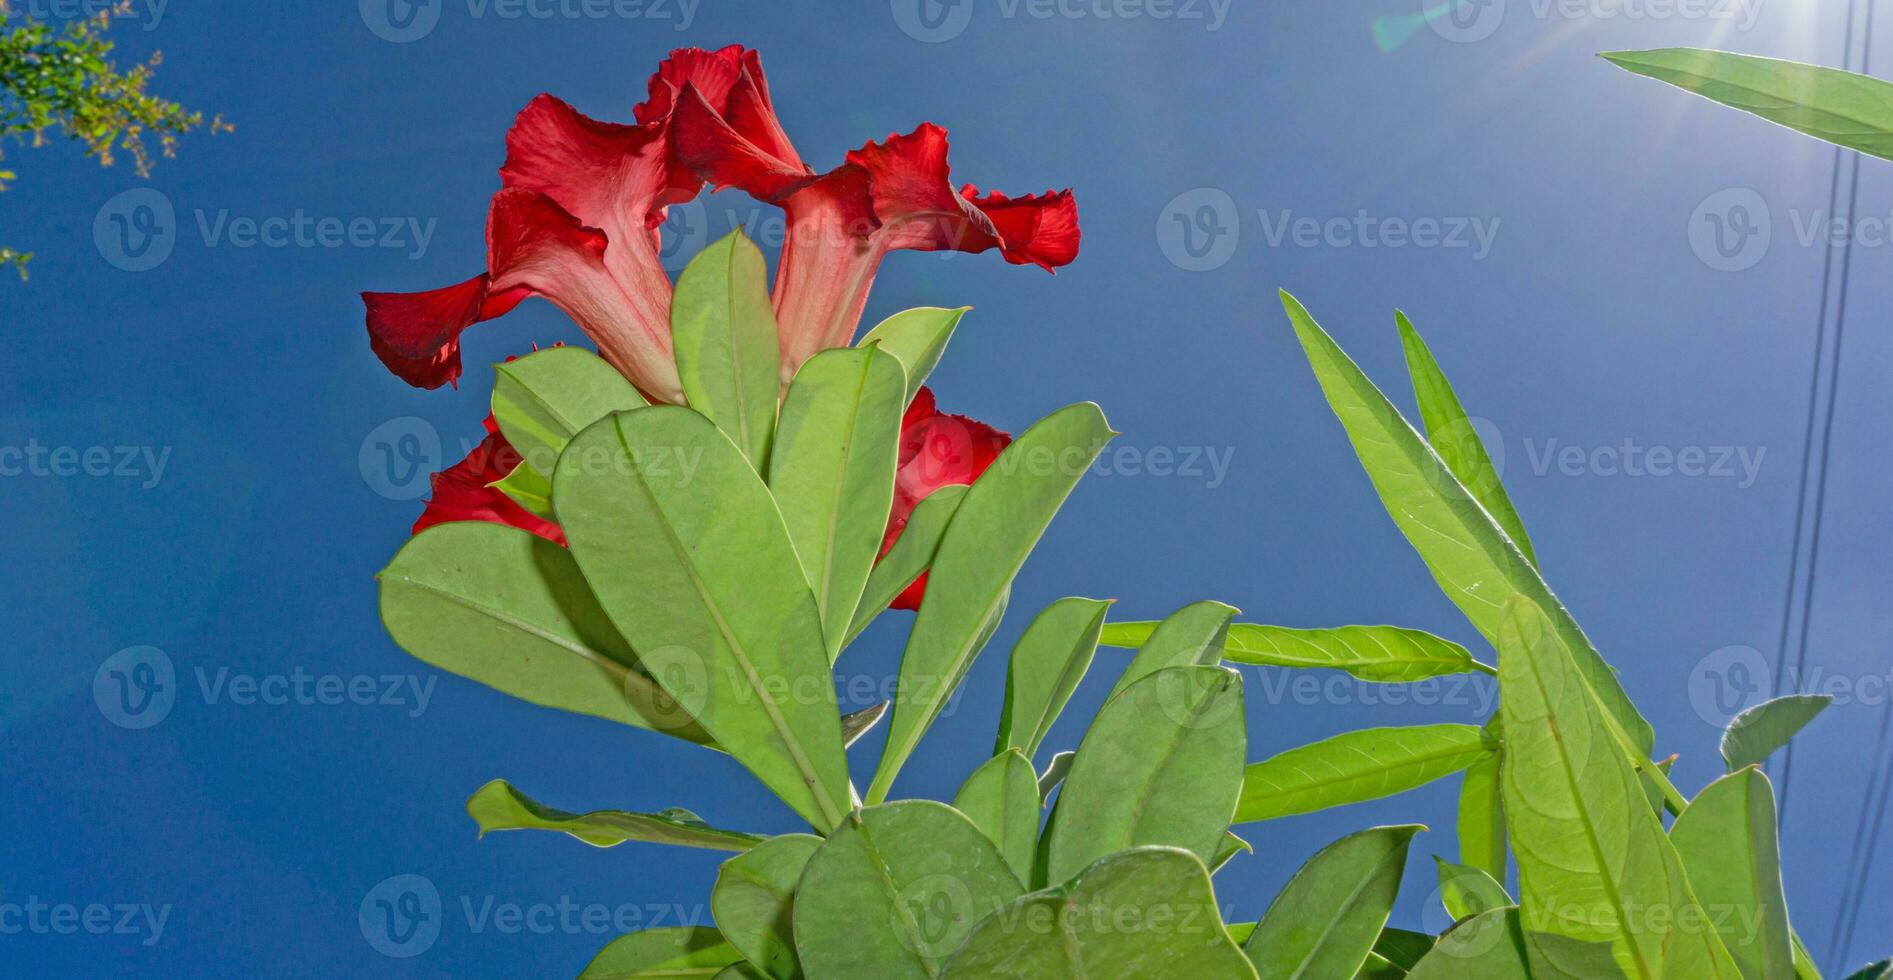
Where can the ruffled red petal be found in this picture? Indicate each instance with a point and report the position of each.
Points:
(417, 335)
(914, 198)
(1037, 229)
(937, 450)
(465, 492)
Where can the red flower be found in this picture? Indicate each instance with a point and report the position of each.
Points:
(576, 221)
(936, 450)
(895, 194)
(464, 491)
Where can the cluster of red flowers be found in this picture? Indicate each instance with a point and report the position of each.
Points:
(577, 221)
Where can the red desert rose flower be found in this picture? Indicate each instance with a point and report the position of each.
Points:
(936, 450)
(465, 492)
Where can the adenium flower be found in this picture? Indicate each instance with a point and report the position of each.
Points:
(576, 221)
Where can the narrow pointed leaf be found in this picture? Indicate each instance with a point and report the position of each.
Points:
(1384, 654)
(1449, 431)
(1354, 766)
(1144, 913)
(1162, 764)
(685, 549)
(1054, 775)
(542, 400)
(998, 523)
(1841, 107)
(1757, 732)
(1001, 797)
(1227, 851)
(912, 553)
(855, 724)
(894, 890)
(683, 951)
(1593, 861)
(918, 337)
(1402, 948)
(724, 330)
(1727, 840)
(754, 901)
(1471, 558)
(510, 610)
(1882, 970)
(1468, 891)
(1191, 636)
(832, 473)
(528, 488)
(1327, 918)
(1481, 821)
(499, 806)
(1047, 663)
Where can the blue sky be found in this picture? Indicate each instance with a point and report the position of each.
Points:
(1548, 221)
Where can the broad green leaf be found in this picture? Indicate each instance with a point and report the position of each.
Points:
(1594, 865)
(1471, 558)
(542, 400)
(894, 890)
(499, 806)
(685, 549)
(1047, 663)
(1487, 946)
(1354, 766)
(998, 523)
(832, 473)
(1843, 108)
(724, 330)
(1162, 764)
(1727, 840)
(1143, 914)
(1402, 948)
(1449, 431)
(1227, 851)
(510, 610)
(1191, 636)
(918, 337)
(1385, 654)
(684, 951)
(754, 901)
(1467, 891)
(913, 551)
(1054, 775)
(1481, 820)
(1757, 732)
(1328, 917)
(528, 488)
(1001, 797)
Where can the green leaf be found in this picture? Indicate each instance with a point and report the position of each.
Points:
(510, 610)
(1757, 732)
(855, 724)
(1001, 797)
(1162, 764)
(1354, 766)
(1481, 821)
(1047, 663)
(740, 971)
(528, 488)
(754, 901)
(1402, 948)
(1468, 891)
(1840, 107)
(913, 551)
(1054, 775)
(542, 400)
(832, 473)
(918, 337)
(1449, 431)
(1227, 851)
(1328, 917)
(894, 890)
(1593, 863)
(1191, 636)
(1487, 946)
(1873, 971)
(998, 523)
(1726, 838)
(685, 951)
(499, 806)
(1471, 558)
(1136, 915)
(724, 330)
(685, 549)
(1383, 654)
